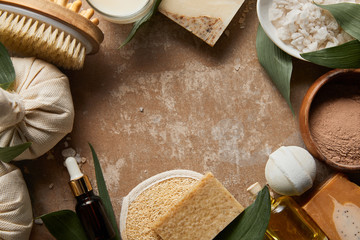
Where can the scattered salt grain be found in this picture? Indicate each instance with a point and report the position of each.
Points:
(68, 152)
(78, 158)
(50, 156)
(51, 186)
(38, 221)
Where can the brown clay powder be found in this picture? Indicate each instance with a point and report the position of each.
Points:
(335, 121)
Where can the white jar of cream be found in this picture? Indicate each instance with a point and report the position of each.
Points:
(121, 11)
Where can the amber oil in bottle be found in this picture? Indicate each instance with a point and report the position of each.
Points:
(288, 221)
(89, 207)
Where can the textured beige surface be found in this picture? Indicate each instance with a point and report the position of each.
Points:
(201, 214)
(205, 109)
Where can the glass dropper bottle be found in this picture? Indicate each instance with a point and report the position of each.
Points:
(288, 221)
(89, 207)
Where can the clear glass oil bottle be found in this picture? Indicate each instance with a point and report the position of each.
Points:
(288, 221)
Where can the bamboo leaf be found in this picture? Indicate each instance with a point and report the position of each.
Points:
(347, 15)
(252, 223)
(64, 225)
(103, 193)
(346, 55)
(276, 63)
(8, 154)
(140, 22)
(7, 72)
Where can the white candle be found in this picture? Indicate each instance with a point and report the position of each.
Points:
(118, 8)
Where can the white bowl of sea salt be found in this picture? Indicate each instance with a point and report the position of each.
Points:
(300, 26)
(329, 119)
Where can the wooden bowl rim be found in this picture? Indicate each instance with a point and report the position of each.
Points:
(304, 114)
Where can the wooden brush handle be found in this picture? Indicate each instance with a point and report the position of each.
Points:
(64, 15)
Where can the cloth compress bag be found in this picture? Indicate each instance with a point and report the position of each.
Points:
(37, 108)
(15, 206)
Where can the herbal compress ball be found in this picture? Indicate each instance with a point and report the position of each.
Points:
(290, 170)
(37, 108)
(16, 216)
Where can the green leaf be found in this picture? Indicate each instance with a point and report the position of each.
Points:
(346, 55)
(347, 15)
(7, 71)
(64, 225)
(276, 63)
(252, 223)
(103, 193)
(140, 22)
(8, 154)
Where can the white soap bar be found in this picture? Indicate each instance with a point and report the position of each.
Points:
(290, 170)
(207, 19)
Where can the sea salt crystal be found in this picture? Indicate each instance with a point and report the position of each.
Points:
(296, 35)
(78, 158)
(68, 152)
(276, 14)
(311, 47)
(38, 221)
(284, 34)
(321, 34)
(293, 15)
(330, 44)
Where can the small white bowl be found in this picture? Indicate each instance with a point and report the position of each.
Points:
(262, 8)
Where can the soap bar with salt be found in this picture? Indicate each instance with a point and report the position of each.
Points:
(201, 214)
(207, 19)
(336, 208)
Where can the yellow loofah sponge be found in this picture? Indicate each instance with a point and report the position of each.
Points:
(201, 214)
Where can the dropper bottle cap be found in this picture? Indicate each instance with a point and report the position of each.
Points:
(254, 189)
(79, 183)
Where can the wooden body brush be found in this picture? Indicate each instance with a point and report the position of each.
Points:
(54, 31)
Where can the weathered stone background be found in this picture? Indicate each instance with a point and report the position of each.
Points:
(204, 109)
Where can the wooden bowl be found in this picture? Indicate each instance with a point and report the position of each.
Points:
(305, 109)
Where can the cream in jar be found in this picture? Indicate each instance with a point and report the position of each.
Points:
(121, 11)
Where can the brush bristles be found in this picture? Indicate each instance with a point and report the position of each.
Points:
(33, 38)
